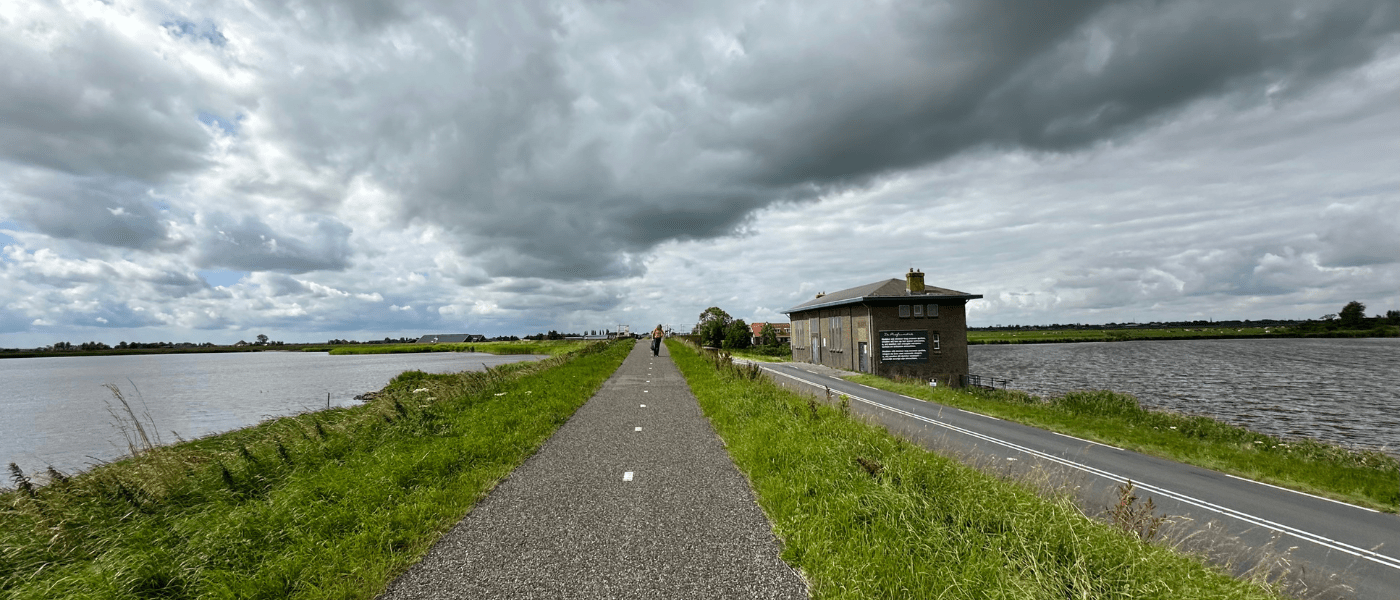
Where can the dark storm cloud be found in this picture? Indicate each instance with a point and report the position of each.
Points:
(555, 141)
(81, 98)
(248, 244)
(1051, 76)
(101, 210)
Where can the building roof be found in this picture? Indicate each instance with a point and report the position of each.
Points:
(758, 327)
(889, 289)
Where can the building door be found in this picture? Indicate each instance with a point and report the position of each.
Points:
(863, 352)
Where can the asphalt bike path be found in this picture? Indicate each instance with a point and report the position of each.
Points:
(1361, 544)
(634, 497)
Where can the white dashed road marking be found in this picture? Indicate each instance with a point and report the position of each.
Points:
(627, 476)
(637, 429)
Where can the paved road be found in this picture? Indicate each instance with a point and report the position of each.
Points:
(566, 524)
(1361, 544)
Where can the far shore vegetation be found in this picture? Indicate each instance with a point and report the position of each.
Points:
(330, 504)
(1350, 322)
(866, 514)
(497, 345)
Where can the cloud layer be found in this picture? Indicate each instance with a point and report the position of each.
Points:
(510, 167)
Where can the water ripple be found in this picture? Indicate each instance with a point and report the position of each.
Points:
(1344, 391)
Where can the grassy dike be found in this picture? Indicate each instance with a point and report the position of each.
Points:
(865, 514)
(546, 347)
(331, 504)
(1370, 479)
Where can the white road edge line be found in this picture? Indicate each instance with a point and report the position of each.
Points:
(1089, 441)
(1358, 552)
(1332, 500)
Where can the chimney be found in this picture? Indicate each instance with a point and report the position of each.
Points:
(820, 294)
(915, 281)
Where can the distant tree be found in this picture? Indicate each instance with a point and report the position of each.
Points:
(1392, 317)
(713, 326)
(738, 335)
(768, 335)
(1352, 315)
(262, 339)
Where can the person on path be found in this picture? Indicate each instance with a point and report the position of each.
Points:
(656, 335)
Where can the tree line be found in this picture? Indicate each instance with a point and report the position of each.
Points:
(716, 328)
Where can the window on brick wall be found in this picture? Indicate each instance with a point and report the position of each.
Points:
(904, 311)
(833, 327)
(932, 310)
(934, 343)
(918, 310)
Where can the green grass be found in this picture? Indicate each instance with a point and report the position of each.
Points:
(1370, 479)
(331, 504)
(765, 355)
(546, 347)
(865, 514)
(1060, 336)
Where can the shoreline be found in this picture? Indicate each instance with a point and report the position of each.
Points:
(1075, 336)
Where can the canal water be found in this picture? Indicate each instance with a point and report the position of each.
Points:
(54, 411)
(1344, 391)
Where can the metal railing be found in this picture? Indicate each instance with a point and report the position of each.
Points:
(984, 382)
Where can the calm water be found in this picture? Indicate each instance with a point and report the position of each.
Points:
(1345, 391)
(54, 410)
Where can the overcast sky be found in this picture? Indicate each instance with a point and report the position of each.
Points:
(209, 171)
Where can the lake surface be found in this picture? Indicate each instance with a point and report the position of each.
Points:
(1345, 391)
(55, 410)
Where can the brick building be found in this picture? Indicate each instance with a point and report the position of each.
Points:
(783, 330)
(890, 328)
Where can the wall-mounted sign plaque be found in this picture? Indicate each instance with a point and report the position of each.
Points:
(904, 346)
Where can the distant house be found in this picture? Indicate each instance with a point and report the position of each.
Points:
(890, 328)
(451, 338)
(784, 332)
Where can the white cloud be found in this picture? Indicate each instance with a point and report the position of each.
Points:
(388, 168)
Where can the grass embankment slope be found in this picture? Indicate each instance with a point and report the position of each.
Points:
(331, 504)
(1370, 479)
(546, 347)
(1061, 336)
(867, 515)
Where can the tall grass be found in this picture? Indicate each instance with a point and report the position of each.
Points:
(868, 515)
(1365, 478)
(330, 504)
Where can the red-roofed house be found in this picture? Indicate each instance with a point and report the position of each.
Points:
(784, 332)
